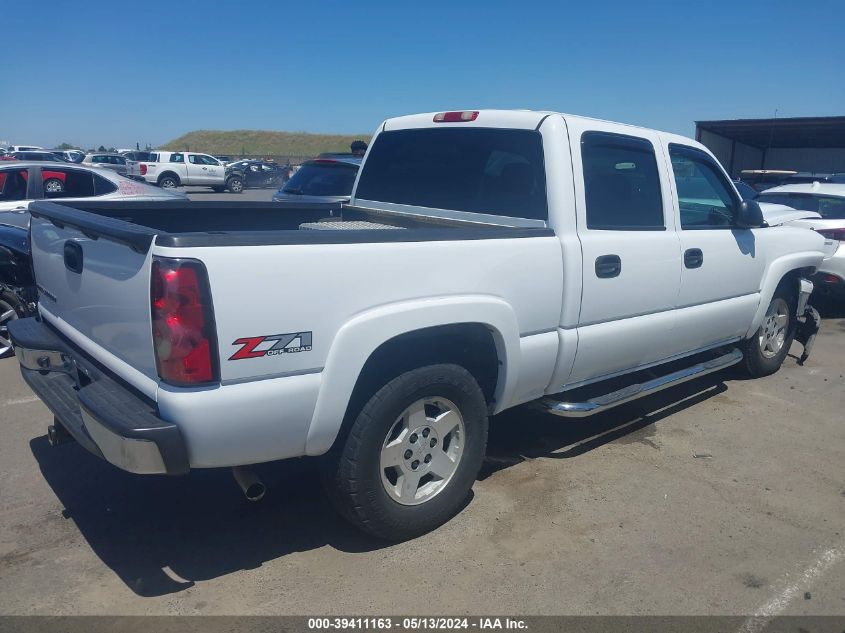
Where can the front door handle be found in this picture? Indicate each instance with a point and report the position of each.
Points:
(693, 258)
(608, 266)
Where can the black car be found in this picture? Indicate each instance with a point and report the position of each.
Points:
(17, 285)
(41, 156)
(258, 173)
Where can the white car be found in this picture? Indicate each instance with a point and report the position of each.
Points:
(24, 182)
(487, 259)
(179, 169)
(822, 207)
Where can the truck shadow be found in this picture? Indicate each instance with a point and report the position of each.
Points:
(160, 535)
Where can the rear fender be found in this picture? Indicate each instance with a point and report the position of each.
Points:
(359, 337)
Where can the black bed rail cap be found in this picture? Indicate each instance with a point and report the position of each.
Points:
(95, 226)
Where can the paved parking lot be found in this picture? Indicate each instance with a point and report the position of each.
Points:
(724, 496)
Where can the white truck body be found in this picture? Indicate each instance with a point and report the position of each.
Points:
(189, 169)
(560, 314)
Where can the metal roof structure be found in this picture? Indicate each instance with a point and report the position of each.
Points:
(788, 132)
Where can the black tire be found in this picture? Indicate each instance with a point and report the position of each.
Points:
(352, 472)
(757, 362)
(168, 181)
(8, 303)
(53, 186)
(218, 189)
(235, 184)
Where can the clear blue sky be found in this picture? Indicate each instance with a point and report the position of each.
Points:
(91, 72)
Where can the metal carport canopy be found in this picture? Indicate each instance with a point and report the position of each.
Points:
(791, 132)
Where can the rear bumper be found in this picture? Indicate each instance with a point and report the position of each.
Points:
(104, 415)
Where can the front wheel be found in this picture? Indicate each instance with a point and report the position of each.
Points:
(235, 184)
(412, 454)
(766, 350)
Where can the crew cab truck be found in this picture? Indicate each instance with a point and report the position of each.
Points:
(184, 169)
(486, 259)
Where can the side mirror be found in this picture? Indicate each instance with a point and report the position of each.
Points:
(750, 215)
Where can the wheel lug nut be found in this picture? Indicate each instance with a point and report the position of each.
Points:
(432, 443)
(425, 432)
(427, 458)
(415, 464)
(408, 454)
(413, 438)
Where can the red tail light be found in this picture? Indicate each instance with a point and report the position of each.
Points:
(143, 169)
(834, 234)
(456, 117)
(183, 326)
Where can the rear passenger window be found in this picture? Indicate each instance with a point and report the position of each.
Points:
(705, 198)
(177, 158)
(621, 183)
(103, 186)
(67, 183)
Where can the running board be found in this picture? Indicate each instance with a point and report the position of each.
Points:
(632, 392)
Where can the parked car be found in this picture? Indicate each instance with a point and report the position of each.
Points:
(24, 182)
(24, 148)
(40, 156)
(17, 287)
(257, 173)
(321, 180)
(487, 259)
(115, 162)
(224, 159)
(177, 169)
(823, 205)
(69, 155)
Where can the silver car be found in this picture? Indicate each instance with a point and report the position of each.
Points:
(22, 182)
(115, 162)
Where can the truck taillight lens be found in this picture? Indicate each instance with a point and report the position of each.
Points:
(834, 234)
(183, 324)
(143, 170)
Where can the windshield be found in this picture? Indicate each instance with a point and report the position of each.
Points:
(322, 179)
(829, 207)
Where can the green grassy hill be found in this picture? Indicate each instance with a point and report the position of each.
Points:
(263, 142)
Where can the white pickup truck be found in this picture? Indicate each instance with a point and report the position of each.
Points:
(487, 259)
(184, 169)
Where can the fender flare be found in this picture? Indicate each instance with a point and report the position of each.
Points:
(359, 337)
(775, 273)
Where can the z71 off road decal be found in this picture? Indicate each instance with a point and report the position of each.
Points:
(258, 346)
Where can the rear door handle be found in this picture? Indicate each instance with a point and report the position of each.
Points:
(608, 266)
(693, 258)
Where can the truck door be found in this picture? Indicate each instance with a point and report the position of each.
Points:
(630, 249)
(198, 173)
(722, 264)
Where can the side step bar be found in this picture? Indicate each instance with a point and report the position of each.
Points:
(632, 392)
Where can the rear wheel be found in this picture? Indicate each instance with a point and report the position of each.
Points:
(766, 350)
(10, 309)
(168, 182)
(53, 185)
(412, 454)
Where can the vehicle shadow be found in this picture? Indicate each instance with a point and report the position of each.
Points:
(160, 535)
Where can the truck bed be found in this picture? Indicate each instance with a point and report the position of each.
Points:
(195, 224)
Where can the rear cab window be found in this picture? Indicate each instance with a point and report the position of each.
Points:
(480, 170)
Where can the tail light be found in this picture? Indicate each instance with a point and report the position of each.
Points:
(456, 117)
(143, 169)
(834, 234)
(183, 324)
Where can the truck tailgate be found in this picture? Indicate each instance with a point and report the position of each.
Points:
(98, 289)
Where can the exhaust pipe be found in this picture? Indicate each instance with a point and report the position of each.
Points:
(253, 488)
